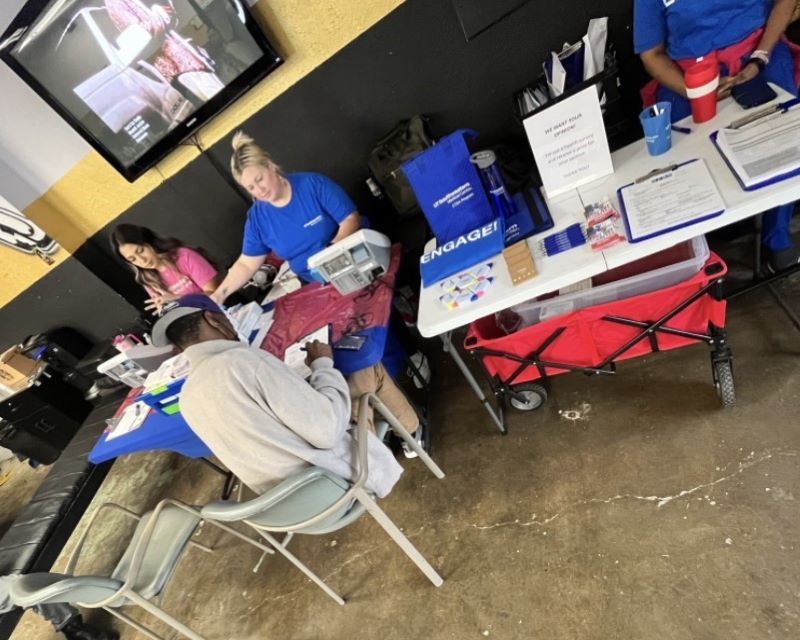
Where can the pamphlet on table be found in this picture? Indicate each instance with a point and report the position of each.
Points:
(175, 368)
(131, 419)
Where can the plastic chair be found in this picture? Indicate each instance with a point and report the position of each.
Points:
(141, 575)
(316, 501)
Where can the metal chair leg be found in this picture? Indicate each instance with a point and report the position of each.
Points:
(404, 543)
(162, 615)
(406, 436)
(202, 547)
(294, 560)
(131, 622)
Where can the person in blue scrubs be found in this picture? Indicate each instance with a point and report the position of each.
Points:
(295, 215)
(743, 34)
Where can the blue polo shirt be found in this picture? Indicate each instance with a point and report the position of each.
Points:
(693, 28)
(304, 226)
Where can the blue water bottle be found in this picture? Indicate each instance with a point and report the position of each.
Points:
(493, 183)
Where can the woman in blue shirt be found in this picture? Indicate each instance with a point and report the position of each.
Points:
(744, 36)
(295, 215)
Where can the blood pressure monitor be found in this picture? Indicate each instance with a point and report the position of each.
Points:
(352, 263)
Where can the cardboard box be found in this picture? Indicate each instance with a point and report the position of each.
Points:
(16, 369)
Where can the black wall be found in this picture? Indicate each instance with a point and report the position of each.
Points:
(69, 296)
(416, 60)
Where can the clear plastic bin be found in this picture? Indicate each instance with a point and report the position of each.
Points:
(658, 271)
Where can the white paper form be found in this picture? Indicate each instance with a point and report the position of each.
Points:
(670, 200)
(294, 355)
(131, 419)
(765, 149)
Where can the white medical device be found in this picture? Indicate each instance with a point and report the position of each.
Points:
(352, 263)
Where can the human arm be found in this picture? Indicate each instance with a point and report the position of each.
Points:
(318, 410)
(156, 302)
(668, 74)
(198, 269)
(650, 35)
(663, 69)
(338, 206)
(156, 299)
(211, 286)
(347, 227)
(779, 18)
(241, 271)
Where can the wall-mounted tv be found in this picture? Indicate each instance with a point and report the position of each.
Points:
(136, 77)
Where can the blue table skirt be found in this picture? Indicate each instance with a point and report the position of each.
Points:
(160, 432)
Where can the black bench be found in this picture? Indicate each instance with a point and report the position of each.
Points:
(42, 528)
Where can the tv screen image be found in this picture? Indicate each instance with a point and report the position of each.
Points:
(136, 77)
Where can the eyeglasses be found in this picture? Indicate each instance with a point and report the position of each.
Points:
(358, 323)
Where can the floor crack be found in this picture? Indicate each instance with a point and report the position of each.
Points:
(751, 460)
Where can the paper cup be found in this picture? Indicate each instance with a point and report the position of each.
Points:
(657, 127)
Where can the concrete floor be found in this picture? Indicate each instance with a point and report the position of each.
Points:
(628, 507)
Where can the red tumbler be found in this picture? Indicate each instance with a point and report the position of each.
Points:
(702, 80)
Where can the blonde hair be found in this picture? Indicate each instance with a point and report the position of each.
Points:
(246, 153)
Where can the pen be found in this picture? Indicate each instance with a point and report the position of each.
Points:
(681, 129)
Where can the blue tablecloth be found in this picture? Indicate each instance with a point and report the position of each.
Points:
(160, 432)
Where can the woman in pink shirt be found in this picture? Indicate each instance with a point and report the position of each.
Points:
(165, 267)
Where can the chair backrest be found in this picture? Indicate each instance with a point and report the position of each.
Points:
(171, 534)
(301, 497)
(46, 588)
(296, 499)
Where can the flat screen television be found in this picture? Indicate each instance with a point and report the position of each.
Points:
(136, 77)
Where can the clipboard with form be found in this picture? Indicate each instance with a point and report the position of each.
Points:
(762, 148)
(668, 199)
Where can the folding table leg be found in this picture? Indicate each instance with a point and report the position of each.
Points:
(759, 224)
(497, 415)
(230, 479)
(783, 304)
(764, 279)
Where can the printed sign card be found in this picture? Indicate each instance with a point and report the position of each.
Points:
(569, 143)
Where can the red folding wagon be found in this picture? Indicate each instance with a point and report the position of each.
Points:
(592, 340)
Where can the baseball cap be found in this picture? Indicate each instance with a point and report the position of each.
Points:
(179, 308)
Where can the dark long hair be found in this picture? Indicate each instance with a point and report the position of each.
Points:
(166, 249)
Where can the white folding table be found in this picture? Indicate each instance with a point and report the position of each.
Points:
(562, 270)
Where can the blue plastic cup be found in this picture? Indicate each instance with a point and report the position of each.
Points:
(657, 126)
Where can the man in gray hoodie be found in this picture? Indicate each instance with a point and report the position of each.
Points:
(263, 420)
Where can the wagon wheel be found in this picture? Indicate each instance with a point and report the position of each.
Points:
(723, 381)
(527, 397)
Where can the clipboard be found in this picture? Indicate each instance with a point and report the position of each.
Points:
(763, 113)
(715, 199)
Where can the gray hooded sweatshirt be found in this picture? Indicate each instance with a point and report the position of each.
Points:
(265, 423)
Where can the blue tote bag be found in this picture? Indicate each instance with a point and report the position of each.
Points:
(448, 187)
